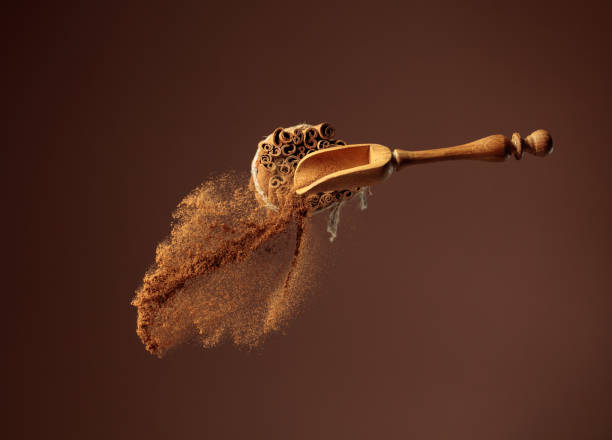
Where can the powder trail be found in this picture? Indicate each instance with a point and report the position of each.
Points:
(218, 226)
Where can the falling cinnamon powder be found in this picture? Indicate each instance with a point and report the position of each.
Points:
(226, 270)
(232, 268)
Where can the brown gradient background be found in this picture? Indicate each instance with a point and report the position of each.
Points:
(471, 301)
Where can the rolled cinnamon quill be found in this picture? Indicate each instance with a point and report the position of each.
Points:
(298, 136)
(276, 136)
(289, 149)
(325, 130)
(265, 146)
(310, 133)
(310, 142)
(292, 161)
(322, 144)
(285, 137)
(275, 151)
(276, 181)
(325, 199)
(311, 201)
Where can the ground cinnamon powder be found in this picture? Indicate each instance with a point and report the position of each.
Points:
(230, 269)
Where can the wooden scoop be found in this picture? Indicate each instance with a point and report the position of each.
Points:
(359, 165)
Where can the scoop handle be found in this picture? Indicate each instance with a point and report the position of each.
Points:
(496, 147)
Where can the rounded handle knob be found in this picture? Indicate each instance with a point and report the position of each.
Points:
(538, 143)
